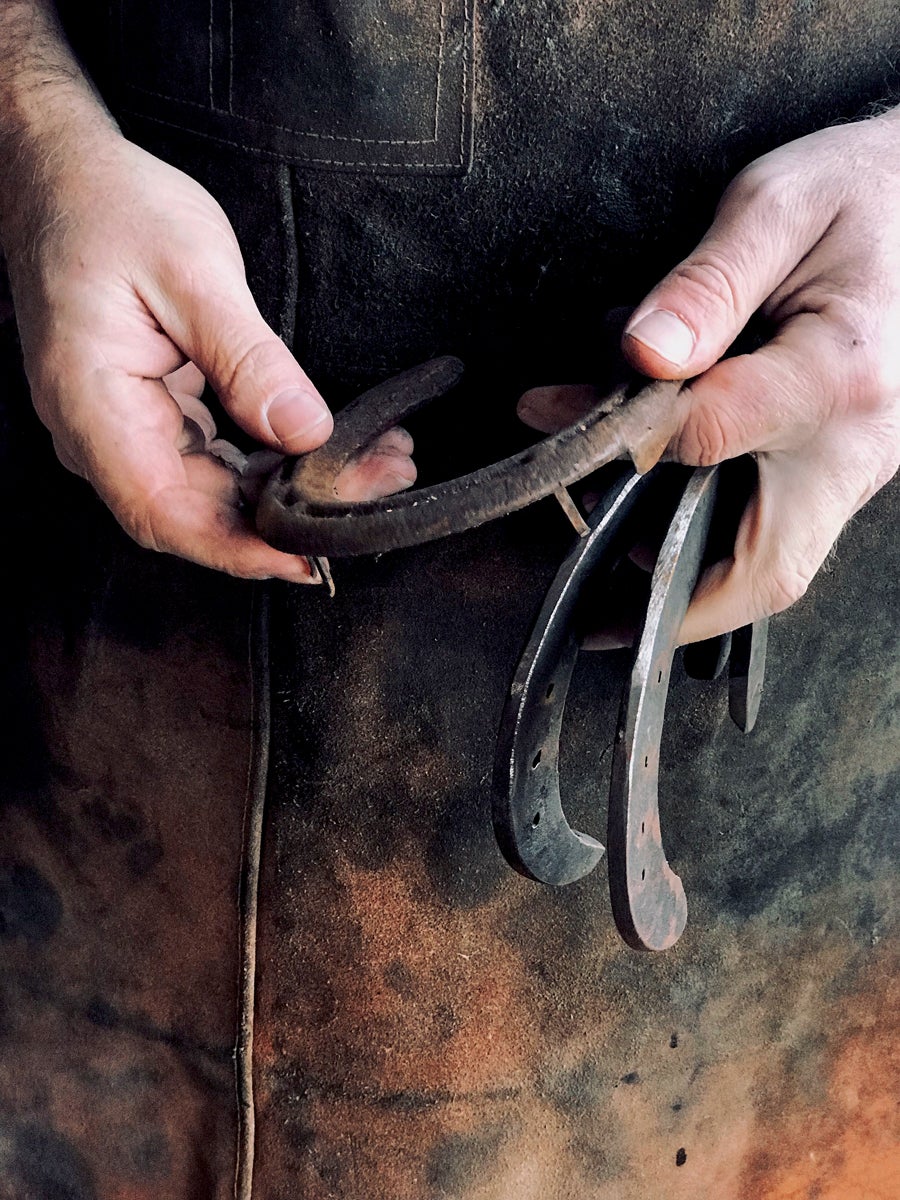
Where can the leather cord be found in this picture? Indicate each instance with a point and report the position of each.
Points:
(251, 853)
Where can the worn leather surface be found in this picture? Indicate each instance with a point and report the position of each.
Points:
(429, 1025)
(122, 786)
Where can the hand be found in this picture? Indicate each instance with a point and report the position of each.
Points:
(125, 271)
(809, 234)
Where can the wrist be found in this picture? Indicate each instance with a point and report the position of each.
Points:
(50, 115)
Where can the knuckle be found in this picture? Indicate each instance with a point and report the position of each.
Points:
(874, 366)
(767, 190)
(46, 405)
(708, 439)
(242, 570)
(711, 283)
(865, 362)
(140, 529)
(880, 470)
(195, 253)
(139, 522)
(248, 366)
(884, 474)
(783, 587)
(67, 458)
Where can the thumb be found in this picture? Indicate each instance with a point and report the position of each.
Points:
(254, 374)
(690, 319)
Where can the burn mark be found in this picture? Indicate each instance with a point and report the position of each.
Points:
(105, 1015)
(30, 907)
(459, 1162)
(408, 1101)
(447, 1022)
(113, 825)
(399, 978)
(463, 863)
(298, 1133)
(147, 1155)
(102, 1014)
(577, 1091)
(143, 857)
(681, 1157)
(631, 1077)
(41, 1164)
(596, 1160)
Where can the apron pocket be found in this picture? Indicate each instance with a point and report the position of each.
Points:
(347, 85)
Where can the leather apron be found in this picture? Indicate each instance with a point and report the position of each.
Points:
(257, 937)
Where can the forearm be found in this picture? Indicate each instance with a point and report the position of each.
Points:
(48, 108)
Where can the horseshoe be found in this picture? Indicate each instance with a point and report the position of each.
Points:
(648, 899)
(531, 828)
(299, 511)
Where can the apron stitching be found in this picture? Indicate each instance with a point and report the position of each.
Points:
(296, 158)
(334, 137)
(210, 57)
(329, 137)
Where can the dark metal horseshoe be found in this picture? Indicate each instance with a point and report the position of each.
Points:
(648, 900)
(747, 673)
(529, 822)
(299, 511)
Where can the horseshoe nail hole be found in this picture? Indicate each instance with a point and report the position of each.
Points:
(549, 691)
(643, 873)
(642, 826)
(646, 760)
(659, 677)
(536, 819)
(536, 760)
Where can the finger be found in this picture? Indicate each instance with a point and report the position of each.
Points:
(790, 525)
(381, 469)
(188, 379)
(549, 409)
(181, 505)
(776, 398)
(68, 457)
(192, 439)
(227, 453)
(196, 413)
(201, 521)
(211, 315)
(763, 228)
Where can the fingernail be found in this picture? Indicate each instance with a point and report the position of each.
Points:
(294, 416)
(666, 335)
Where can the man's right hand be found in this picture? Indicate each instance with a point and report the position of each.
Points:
(123, 269)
